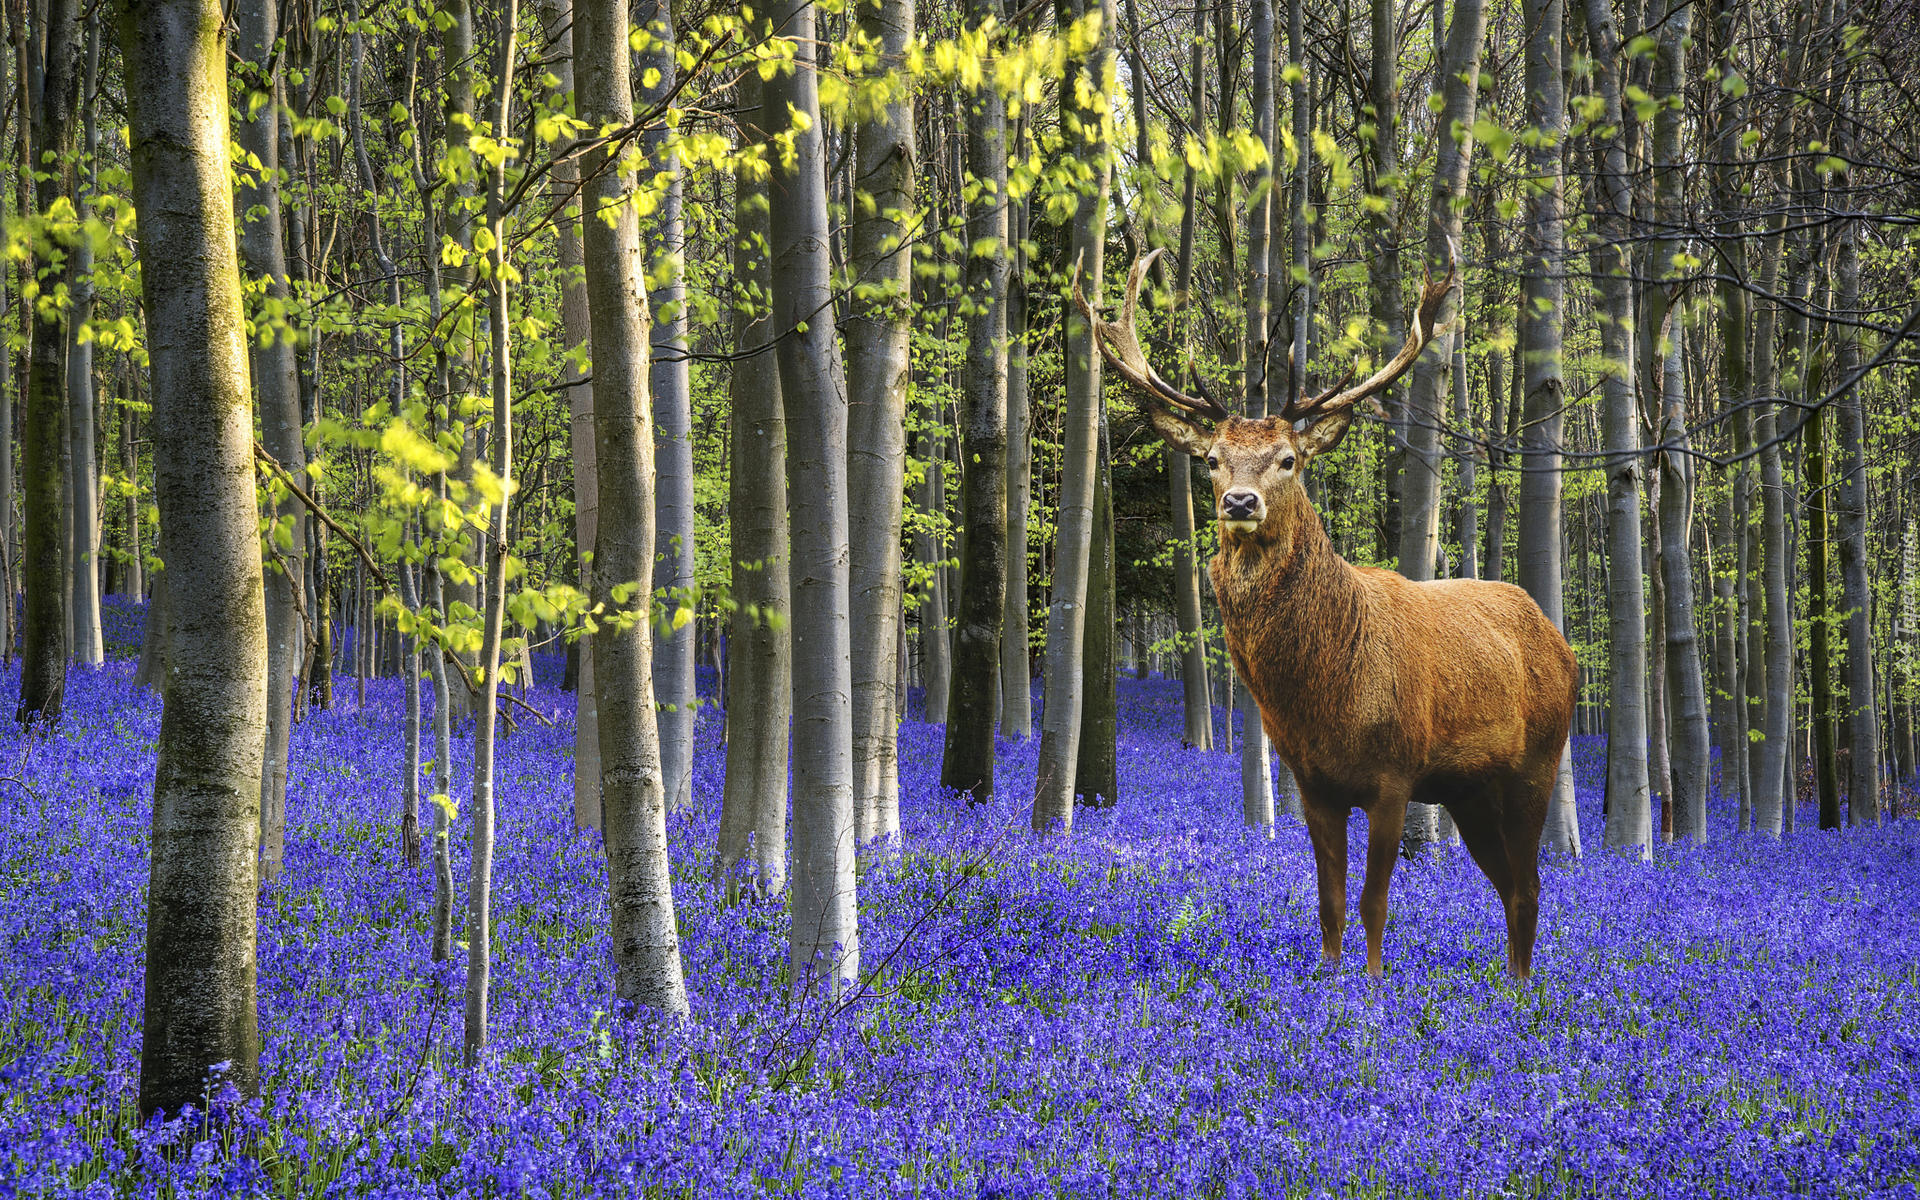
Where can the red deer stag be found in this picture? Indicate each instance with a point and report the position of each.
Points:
(1376, 691)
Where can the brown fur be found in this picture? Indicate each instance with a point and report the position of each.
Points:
(1378, 691)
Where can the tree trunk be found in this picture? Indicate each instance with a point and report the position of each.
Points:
(967, 763)
(1016, 678)
(1381, 234)
(1426, 398)
(1772, 790)
(633, 803)
(1256, 772)
(824, 943)
(83, 479)
(1540, 343)
(199, 1013)
(276, 392)
(753, 810)
(500, 461)
(1629, 813)
(1819, 616)
(673, 574)
(441, 944)
(1096, 766)
(575, 324)
(1196, 698)
(878, 363)
(1856, 588)
(935, 662)
(43, 654)
(1066, 615)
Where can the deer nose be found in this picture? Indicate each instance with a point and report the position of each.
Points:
(1240, 504)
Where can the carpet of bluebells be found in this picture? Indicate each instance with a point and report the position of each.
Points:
(1137, 1011)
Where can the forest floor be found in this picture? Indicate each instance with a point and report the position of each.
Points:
(1137, 1011)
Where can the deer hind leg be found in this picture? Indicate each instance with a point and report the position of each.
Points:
(1481, 832)
(1327, 827)
(1386, 821)
(1522, 837)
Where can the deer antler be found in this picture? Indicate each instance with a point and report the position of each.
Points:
(1120, 347)
(1340, 397)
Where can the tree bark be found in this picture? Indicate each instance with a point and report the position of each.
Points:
(753, 809)
(878, 365)
(1541, 341)
(1016, 676)
(1856, 588)
(824, 942)
(1426, 397)
(967, 764)
(500, 461)
(575, 324)
(1089, 141)
(646, 947)
(1196, 697)
(43, 654)
(673, 574)
(202, 894)
(83, 478)
(1096, 772)
(1629, 812)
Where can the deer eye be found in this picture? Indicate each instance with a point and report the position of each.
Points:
(1213, 464)
(1286, 464)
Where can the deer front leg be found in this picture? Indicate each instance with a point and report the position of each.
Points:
(1327, 827)
(1386, 820)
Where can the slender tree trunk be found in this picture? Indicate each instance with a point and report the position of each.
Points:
(753, 811)
(557, 16)
(1541, 341)
(84, 479)
(410, 784)
(202, 892)
(1066, 616)
(878, 363)
(133, 579)
(1856, 588)
(1820, 618)
(1016, 678)
(43, 675)
(1426, 398)
(441, 945)
(1772, 790)
(1381, 233)
(500, 461)
(824, 941)
(1096, 774)
(967, 764)
(276, 392)
(1629, 819)
(1197, 701)
(935, 660)
(673, 649)
(633, 802)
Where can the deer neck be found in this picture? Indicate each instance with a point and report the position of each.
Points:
(1294, 613)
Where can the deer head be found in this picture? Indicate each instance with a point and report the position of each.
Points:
(1254, 462)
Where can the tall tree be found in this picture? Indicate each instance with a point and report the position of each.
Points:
(199, 1010)
(967, 764)
(1542, 334)
(673, 649)
(1458, 83)
(1197, 701)
(1016, 676)
(500, 462)
(1662, 360)
(276, 397)
(575, 323)
(824, 940)
(1629, 823)
(1856, 588)
(633, 802)
(1087, 125)
(83, 478)
(53, 84)
(753, 808)
(877, 372)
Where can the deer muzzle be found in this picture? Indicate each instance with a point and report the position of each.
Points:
(1242, 509)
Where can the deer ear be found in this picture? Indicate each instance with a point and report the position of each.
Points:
(1183, 435)
(1324, 434)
